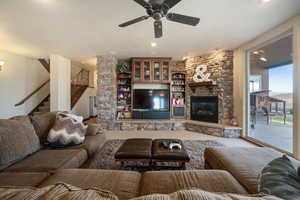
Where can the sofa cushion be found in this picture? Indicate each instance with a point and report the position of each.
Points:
(165, 182)
(42, 124)
(280, 178)
(196, 194)
(91, 144)
(245, 164)
(49, 160)
(59, 191)
(124, 184)
(27, 179)
(17, 140)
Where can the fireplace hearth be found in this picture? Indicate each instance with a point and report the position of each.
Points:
(205, 109)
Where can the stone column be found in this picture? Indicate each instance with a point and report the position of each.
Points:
(106, 91)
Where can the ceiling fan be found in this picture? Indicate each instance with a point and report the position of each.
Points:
(158, 9)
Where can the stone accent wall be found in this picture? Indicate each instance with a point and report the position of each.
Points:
(149, 125)
(106, 91)
(220, 65)
(178, 125)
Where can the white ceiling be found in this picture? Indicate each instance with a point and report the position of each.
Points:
(82, 29)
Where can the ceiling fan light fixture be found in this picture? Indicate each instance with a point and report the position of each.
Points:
(158, 9)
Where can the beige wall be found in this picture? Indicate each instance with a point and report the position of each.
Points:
(240, 71)
(82, 107)
(20, 76)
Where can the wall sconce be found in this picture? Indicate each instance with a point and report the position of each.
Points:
(1, 64)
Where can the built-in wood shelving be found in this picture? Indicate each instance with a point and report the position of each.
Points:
(124, 95)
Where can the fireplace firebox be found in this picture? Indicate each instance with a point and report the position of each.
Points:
(205, 109)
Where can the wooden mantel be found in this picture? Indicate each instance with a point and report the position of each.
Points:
(208, 84)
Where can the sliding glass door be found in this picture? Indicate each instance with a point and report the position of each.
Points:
(270, 93)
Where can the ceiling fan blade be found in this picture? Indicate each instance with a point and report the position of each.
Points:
(143, 3)
(139, 19)
(171, 3)
(158, 29)
(193, 21)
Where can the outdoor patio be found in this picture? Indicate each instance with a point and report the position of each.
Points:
(275, 134)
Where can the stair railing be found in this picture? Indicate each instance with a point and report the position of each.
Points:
(32, 93)
(81, 78)
(79, 84)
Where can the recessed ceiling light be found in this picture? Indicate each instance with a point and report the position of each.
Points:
(153, 44)
(266, 1)
(263, 59)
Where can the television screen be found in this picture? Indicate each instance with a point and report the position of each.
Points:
(151, 100)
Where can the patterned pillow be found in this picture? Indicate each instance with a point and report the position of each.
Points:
(66, 131)
(59, 191)
(280, 178)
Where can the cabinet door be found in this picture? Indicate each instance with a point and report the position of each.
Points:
(156, 71)
(147, 70)
(137, 67)
(165, 71)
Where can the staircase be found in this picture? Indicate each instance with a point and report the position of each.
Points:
(43, 107)
(79, 84)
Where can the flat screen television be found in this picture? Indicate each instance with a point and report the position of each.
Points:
(154, 100)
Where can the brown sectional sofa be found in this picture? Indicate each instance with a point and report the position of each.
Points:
(245, 164)
(35, 167)
(235, 170)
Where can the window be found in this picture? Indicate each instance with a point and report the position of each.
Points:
(270, 90)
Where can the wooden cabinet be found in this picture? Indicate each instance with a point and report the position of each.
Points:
(151, 70)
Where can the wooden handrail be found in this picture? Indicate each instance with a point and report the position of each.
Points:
(32, 93)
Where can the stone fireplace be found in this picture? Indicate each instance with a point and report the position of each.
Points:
(220, 66)
(205, 109)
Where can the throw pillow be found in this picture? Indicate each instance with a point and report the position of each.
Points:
(280, 178)
(67, 130)
(17, 140)
(59, 191)
(197, 194)
(93, 129)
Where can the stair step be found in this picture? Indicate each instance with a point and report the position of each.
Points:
(37, 113)
(44, 109)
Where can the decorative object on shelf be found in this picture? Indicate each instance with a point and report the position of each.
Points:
(201, 75)
(123, 67)
(233, 122)
(1, 64)
(178, 102)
